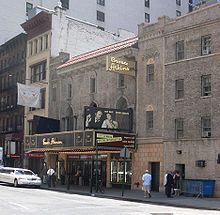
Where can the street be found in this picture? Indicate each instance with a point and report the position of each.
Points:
(39, 201)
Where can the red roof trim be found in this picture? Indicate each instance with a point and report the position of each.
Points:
(99, 52)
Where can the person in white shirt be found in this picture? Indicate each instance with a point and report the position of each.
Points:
(147, 183)
(51, 177)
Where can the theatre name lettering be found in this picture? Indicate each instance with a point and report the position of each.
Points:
(121, 66)
(115, 140)
(52, 141)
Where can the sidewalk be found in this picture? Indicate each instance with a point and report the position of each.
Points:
(138, 196)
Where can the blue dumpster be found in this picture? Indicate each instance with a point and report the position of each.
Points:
(203, 187)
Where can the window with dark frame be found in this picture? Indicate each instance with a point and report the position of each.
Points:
(206, 85)
(178, 13)
(29, 7)
(92, 85)
(101, 2)
(147, 3)
(31, 48)
(179, 128)
(178, 2)
(38, 72)
(179, 94)
(149, 119)
(41, 43)
(206, 126)
(206, 45)
(147, 17)
(180, 50)
(69, 91)
(46, 41)
(43, 97)
(65, 3)
(150, 73)
(100, 16)
(121, 80)
(36, 46)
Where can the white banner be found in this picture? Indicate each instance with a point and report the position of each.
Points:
(28, 96)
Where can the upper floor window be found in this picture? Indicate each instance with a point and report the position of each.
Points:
(38, 72)
(206, 45)
(149, 119)
(41, 43)
(46, 41)
(69, 91)
(179, 128)
(206, 85)
(31, 48)
(101, 2)
(180, 50)
(147, 3)
(147, 17)
(121, 80)
(100, 16)
(43, 94)
(179, 89)
(178, 2)
(178, 13)
(206, 126)
(35, 46)
(92, 85)
(29, 6)
(65, 3)
(150, 73)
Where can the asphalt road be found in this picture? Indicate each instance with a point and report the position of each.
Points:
(30, 201)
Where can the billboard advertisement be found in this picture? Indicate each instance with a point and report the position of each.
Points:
(108, 119)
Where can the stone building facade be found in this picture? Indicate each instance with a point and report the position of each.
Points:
(183, 94)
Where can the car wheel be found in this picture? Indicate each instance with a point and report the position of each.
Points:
(15, 183)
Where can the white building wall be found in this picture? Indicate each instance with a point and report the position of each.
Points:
(125, 14)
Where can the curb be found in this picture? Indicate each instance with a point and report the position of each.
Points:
(145, 201)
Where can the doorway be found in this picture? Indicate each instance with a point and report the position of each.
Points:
(181, 169)
(155, 172)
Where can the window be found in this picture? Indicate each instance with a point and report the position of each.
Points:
(178, 2)
(206, 85)
(101, 2)
(180, 50)
(69, 91)
(100, 16)
(147, 3)
(179, 128)
(149, 119)
(121, 80)
(30, 48)
(92, 85)
(38, 72)
(206, 126)
(41, 43)
(147, 17)
(43, 93)
(150, 73)
(35, 45)
(46, 41)
(179, 89)
(29, 6)
(65, 3)
(206, 45)
(178, 13)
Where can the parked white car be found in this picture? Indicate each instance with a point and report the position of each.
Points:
(18, 176)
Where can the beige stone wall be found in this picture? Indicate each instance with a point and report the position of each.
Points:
(147, 153)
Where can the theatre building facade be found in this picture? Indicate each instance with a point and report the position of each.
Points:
(92, 99)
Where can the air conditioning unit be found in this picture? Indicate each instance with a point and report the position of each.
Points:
(207, 134)
(205, 52)
(200, 163)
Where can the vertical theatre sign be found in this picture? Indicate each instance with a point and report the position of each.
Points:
(122, 66)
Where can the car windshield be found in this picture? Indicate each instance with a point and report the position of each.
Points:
(24, 172)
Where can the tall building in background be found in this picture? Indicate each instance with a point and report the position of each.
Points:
(106, 15)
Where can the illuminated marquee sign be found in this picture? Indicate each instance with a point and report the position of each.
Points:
(114, 64)
(53, 141)
(115, 140)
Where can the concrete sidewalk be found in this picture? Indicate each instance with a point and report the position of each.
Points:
(138, 196)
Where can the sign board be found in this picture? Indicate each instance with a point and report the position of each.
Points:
(108, 119)
(122, 153)
(119, 65)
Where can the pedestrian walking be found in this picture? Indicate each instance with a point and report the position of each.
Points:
(146, 183)
(169, 184)
(51, 177)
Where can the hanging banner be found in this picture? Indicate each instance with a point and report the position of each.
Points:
(28, 96)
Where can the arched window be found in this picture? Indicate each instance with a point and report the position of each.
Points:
(67, 121)
(122, 104)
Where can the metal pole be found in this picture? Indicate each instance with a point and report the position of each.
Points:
(96, 172)
(123, 184)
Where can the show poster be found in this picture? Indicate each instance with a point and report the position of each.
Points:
(108, 119)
